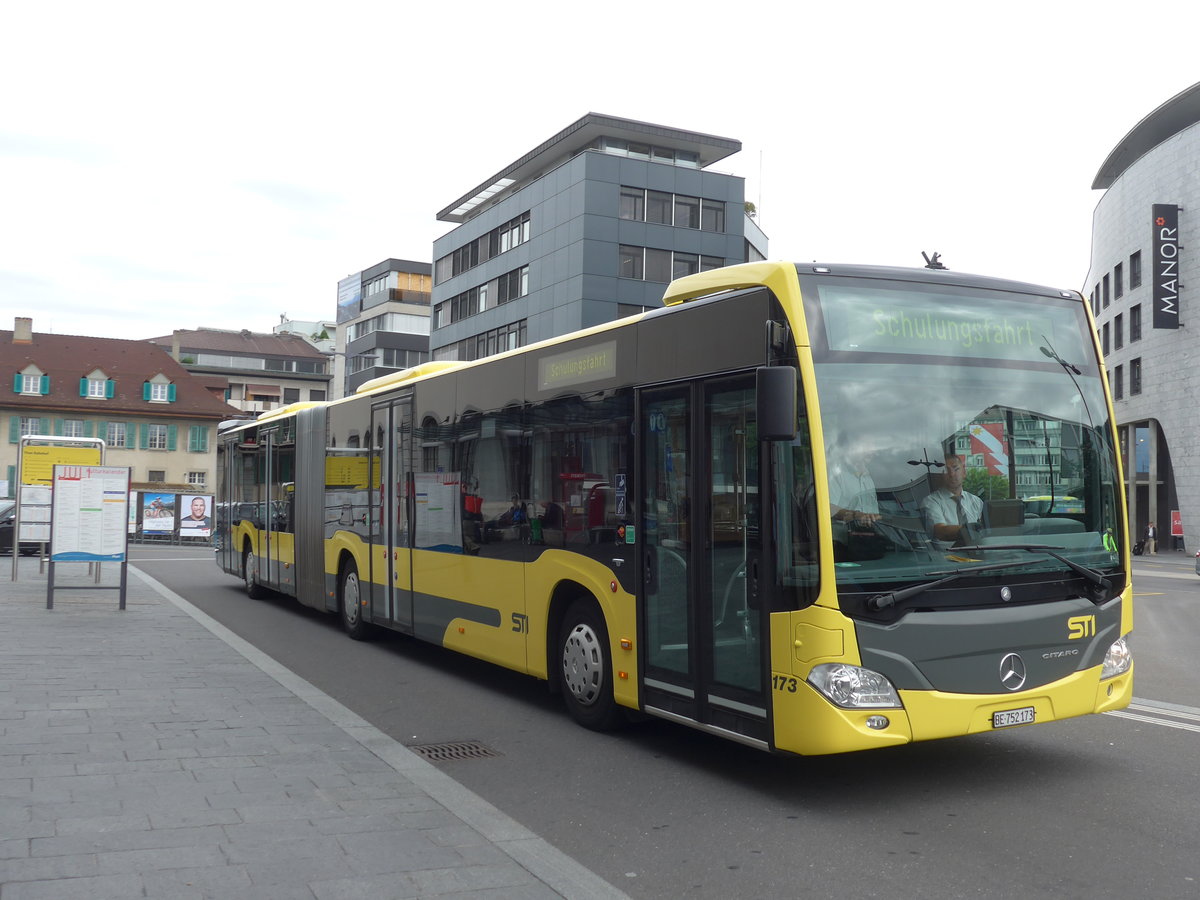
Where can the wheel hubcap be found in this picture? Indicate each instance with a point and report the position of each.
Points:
(583, 664)
(350, 599)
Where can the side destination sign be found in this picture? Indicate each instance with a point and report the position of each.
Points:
(595, 363)
(911, 322)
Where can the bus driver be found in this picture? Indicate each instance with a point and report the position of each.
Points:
(951, 512)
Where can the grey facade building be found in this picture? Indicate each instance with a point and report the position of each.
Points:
(255, 371)
(1145, 252)
(382, 322)
(585, 228)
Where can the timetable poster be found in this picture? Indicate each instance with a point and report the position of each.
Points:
(90, 509)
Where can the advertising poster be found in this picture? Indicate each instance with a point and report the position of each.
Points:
(196, 515)
(158, 513)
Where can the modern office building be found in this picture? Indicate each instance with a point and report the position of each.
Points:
(1145, 251)
(586, 227)
(382, 322)
(255, 372)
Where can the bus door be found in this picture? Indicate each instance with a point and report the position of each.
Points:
(395, 492)
(275, 511)
(701, 619)
(269, 557)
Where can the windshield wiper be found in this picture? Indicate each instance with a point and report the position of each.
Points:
(891, 598)
(1090, 574)
(1069, 368)
(883, 601)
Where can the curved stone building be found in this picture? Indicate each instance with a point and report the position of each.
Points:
(1145, 252)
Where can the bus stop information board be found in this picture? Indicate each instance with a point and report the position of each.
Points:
(38, 462)
(36, 474)
(90, 511)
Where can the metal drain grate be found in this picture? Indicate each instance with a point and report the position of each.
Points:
(453, 750)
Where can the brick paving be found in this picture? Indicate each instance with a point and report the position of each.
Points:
(152, 753)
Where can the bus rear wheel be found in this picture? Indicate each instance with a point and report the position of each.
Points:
(350, 602)
(254, 590)
(586, 674)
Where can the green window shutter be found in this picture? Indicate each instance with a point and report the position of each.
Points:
(198, 439)
(102, 431)
(170, 393)
(145, 390)
(58, 427)
(45, 384)
(110, 389)
(14, 432)
(12, 480)
(172, 433)
(144, 443)
(83, 387)
(18, 383)
(87, 427)
(130, 435)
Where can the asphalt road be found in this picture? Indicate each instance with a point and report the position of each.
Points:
(1097, 807)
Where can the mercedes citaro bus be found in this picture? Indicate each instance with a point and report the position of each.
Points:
(640, 513)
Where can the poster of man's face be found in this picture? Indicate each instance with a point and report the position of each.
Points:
(195, 516)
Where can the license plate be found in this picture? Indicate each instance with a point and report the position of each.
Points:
(1004, 718)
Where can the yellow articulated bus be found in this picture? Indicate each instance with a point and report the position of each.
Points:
(759, 511)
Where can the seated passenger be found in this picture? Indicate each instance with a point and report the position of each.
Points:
(514, 515)
(953, 515)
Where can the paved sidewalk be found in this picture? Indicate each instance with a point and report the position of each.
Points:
(153, 753)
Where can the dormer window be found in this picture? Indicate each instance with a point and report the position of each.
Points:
(97, 386)
(159, 390)
(31, 381)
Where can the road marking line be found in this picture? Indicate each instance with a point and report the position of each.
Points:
(158, 559)
(1181, 713)
(1122, 714)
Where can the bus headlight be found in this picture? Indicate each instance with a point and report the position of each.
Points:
(853, 687)
(1118, 659)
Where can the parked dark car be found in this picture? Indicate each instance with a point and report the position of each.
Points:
(8, 517)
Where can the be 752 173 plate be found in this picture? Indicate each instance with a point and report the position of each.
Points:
(1007, 717)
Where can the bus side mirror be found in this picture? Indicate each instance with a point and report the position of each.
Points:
(776, 390)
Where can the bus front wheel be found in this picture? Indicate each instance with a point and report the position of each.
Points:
(586, 668)
(254, 590)
(350, 602)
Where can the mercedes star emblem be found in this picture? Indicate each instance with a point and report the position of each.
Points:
(1012, 672)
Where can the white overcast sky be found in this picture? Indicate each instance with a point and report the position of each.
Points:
(169, 165)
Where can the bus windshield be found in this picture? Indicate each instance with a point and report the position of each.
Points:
(963, 428)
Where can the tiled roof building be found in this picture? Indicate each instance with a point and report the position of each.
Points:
(152, 413)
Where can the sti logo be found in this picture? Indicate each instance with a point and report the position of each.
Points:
(1081, 627)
